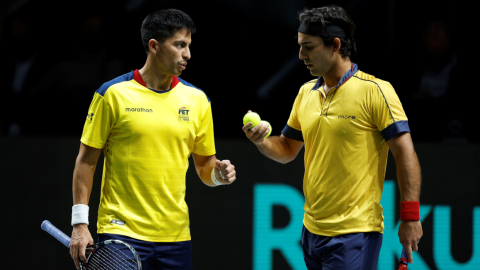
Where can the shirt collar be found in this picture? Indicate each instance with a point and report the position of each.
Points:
(344, 78)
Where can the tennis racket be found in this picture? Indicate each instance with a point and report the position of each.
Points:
(107, 255)
(403, 260)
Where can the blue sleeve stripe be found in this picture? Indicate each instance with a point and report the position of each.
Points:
(191, 85)
(119, 79)
(394, 129)
(292, 133)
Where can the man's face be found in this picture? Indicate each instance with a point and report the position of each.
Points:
(174, 53)
(316, 56)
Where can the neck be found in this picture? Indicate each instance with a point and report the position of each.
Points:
(154, 78)
(332, 78)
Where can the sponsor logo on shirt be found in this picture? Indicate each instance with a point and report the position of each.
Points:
(346, 117)
(118, 222)
(138, 110)
(90, 117)
(183, 113)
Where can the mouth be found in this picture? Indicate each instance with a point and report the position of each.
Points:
(183, 66)
(308, 65)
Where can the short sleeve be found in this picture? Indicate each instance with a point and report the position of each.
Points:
(204, 141)
(388, 113)
(293, 129)
(98, 124)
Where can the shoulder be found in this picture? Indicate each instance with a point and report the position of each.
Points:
(370, 82)
(193, 89)
(308, 86)
(118, 80)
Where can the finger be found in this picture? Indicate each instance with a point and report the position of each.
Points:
(218, 163)
(82, 253)
(247, 126)
(75, 258)
(408, 248)
(224, 165)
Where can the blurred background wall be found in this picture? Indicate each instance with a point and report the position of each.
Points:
(55, 54)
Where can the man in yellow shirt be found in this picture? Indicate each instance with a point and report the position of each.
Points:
(347, 120)
(148, 122)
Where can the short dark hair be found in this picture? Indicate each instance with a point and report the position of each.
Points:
(163, 24)
(336, 15)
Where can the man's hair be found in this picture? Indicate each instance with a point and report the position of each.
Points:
(163, 24)
(332, 15)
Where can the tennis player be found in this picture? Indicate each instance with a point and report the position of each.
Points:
(347, 120)
(148, 122)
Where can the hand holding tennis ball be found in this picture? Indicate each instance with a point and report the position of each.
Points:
(251, 117)
(255, 119)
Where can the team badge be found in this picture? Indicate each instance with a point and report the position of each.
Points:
(183, 113)
(90, 117)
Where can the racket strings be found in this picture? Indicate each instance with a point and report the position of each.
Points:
(109, 257)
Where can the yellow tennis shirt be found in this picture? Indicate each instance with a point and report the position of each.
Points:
(147, 137)
(345, 134)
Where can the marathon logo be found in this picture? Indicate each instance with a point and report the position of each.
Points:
(138, 110)
(183, 113)
(346, 117)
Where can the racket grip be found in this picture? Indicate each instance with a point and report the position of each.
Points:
(55, 232)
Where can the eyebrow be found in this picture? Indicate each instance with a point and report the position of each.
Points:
(306, 42)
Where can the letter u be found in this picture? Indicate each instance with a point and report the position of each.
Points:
(442, 252)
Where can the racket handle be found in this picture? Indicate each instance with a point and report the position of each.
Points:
(55, 232)
(403, 260)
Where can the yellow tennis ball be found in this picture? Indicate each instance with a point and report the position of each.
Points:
(270, 127)
(251, 117)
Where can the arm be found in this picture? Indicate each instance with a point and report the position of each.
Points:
(224, 170)
(82, 186)
(279, 148)
(409, 182)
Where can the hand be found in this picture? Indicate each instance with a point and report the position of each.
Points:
(225, 171)
(409, 234)
(81, 238)
(256, 134)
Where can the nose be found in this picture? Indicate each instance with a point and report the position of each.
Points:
(186, 53)
(301, 54)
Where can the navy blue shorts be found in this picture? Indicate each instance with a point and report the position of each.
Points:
(158, 255)
(354, 251)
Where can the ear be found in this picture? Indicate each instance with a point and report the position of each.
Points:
(152, 45)
(336, 44)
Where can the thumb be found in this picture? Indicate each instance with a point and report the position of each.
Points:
(218, 163)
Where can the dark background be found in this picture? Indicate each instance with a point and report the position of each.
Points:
(243, 57)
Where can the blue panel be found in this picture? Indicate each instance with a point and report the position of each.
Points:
(191, 85)
(119, 79)
(394, 129)
(292, 133)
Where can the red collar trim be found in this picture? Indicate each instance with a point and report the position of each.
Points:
(138, 77)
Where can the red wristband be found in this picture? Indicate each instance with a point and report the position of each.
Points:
(409, 211)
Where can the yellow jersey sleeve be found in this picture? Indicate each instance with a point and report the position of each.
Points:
(204, 141)
(293, 129)
(387, 111)
(99, 123)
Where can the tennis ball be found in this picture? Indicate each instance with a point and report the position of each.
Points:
(251, 117)
(270, 127)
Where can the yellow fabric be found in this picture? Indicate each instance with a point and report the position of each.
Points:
(147, 137)
(345, 152)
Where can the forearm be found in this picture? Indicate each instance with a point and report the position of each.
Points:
(82, 181)
(409, 175)
(204, 171)
(276, 148)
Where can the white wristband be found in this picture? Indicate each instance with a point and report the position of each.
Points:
(80, 214)
(215, 179)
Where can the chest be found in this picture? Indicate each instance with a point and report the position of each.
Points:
(339, 114)
(169, 116)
